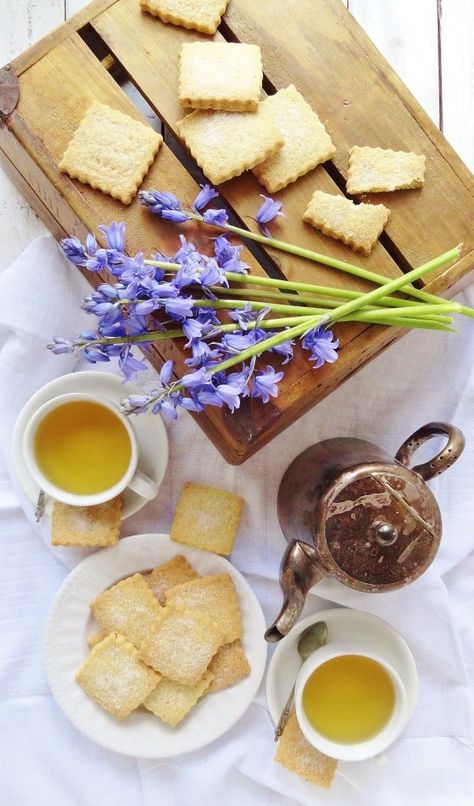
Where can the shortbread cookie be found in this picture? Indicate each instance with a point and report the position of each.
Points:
(207, 518)
(181, 643)
(97, 637)
(296, 754)
(129, 607)
(111, 152)
(171, 701)
(378, 170)
(225, 144)
(166, 576)
(306, 145)
(357, 225)
(220, 75)
(229, 665)
(214, 597)
(200, 15)
(115, 677)
(86, 526)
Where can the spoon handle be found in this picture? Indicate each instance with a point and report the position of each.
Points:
(284, 715)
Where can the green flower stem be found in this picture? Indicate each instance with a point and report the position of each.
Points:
(395, 285)
(306, 299)
(334, 263)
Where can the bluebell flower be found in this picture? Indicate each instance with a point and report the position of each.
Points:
(212, 274)
(228, 256)
(146, 306)
(175, 216)
(285, 348)
(181, 307)
(267, 212)
(205, 195)
(202, 354)
(230, 395)
(114, 235)
(236, 342)
(159, 200)
(193, 380)
(166, 372)
(137, 404)
(264, 384)
(59, 345)
(74, 251)
(129, 365)
(218, 218)
(323, 346)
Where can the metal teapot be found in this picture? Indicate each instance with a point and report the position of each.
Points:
(351, 511)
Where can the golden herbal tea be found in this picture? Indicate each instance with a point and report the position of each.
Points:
(82, 448)
(349, 699)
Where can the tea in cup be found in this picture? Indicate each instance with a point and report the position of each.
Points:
(350, 705)
(82, 451)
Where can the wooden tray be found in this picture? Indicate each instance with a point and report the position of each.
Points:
(113, 52)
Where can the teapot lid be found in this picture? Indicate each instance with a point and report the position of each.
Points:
(377, 527)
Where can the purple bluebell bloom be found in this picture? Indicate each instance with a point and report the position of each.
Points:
(129, 365)
(265, 384)
(59, 345)
(205, 195)
(323, 346)
(74, 251)
(114, 235)
(228, 256)
(267, 211)
(137, 404)
(159, 200)
(175, 216)
(218, 218)
(179, 308)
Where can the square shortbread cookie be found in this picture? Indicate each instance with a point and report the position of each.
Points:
(86, 526)
(181, 643)
(296, 754)
(200, 15)
(166, 576)
(207, 518)
(357, 225)
(171, 701)
(306, 145)
(129, 607)
(378, 170)
(220, 75)
(229, 665)
(111, 152)
(115, 677)
(216, 598)
(225, 144)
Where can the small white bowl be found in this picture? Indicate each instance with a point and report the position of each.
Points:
(360, 750)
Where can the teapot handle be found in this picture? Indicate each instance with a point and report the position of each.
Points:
(444, 459)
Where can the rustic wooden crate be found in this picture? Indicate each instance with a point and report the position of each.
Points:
(318, 46)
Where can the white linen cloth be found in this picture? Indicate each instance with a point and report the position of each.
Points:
(44, 760)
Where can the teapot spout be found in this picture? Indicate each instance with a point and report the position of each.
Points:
(300, 570)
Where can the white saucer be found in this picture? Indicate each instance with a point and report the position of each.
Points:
(70, 624)
(369, 632)
(149, 429)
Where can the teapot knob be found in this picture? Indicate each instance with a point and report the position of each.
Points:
(386, 534)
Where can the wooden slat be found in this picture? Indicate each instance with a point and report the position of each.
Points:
(339, 70)
(149, 51)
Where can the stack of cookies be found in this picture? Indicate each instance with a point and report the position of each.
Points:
(167, 638)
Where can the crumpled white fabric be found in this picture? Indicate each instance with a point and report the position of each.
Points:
(45, 760)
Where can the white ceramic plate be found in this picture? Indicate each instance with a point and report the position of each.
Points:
(149, 429)
(70, 624)
(369, 632)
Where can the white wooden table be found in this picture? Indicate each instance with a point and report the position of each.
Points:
(428, 42)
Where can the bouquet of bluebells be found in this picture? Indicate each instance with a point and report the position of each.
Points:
(185, 295)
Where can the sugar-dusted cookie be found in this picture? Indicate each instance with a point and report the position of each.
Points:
(207, 518)
(225, 144)
(97, 637)
(296, 754)
(181, 643)
(129, 607)
(166, 576)
(357, 225)
(220, 75)
(111, 151)
(378, 170)
(229, 665)
(306, 145)
(86, 526)
(215, 597)
(171, 701)
(201, 15)
(115, 677)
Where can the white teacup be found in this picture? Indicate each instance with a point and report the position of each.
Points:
(132, 478)
(360, 750)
